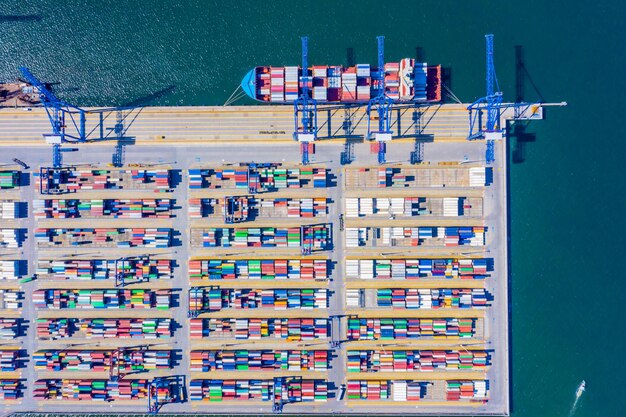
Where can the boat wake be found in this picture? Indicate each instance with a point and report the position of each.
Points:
(579, 392)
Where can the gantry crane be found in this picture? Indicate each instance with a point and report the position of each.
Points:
(69, 122)
(121, 264)
(305, 108)
(165, 390)
(494, 106)
(491, 103)
(381, 104)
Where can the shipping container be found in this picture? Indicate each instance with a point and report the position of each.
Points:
(122, 360)
(113, 208)
(90, 389)
(403, 269)
(290, 330)
(416, 360)
(101, 299)
(290, 390)
(157, 180)
(258, 177)
(104, 237)
(391, 329)
(96, 269)
(53, 329)
(259, 360)
(264, 269)
(215, 299)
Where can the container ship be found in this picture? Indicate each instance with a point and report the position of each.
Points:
(404, 81)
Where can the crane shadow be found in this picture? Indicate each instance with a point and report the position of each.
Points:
(350, 57)
(151, 98)
(517, 130)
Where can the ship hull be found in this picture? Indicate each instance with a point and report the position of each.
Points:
(404, 82)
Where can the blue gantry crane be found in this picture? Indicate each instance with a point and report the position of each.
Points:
(305, 108)
(380, 105)
(165, 390)
(493, 105)
(69, 122)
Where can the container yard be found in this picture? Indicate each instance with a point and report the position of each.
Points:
(380, 285)
(230, 277)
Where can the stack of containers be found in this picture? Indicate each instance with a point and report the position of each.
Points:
(10, 238)
(217, 269)
(90, 390)
(392, 80)
(431, 298)
(12, 269)
(9, 360)
(419, 80)
(349, 85)
(102, 360)
(352, 207)
(466, 390)
(215, 299)
(144, 269)
(254, 329)
(290, 390)
(305, 79)
(353, 298)
(263, 83)
(126, 328)
(390, 329)
(195, 208)
(412, 360)
(11, 299)
(356, 237)
(451, 207)
(319, 177)
(10, 328)
(9, 210)
(320, 83)
(103, 269)
(477, 177)
(101, 299)
(259, 360)
(52, 329)
(196, 178)
(334, 83)
(366, 206)
(291, 83)
(10, 389)
(9, 179)
(150, 238)
(363, 81)
(277, 87)
(368, 390)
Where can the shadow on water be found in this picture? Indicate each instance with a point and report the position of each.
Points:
(20, 18)
(420, 56)
(350, 57)
(518, 131)
(522, 75)
(151, 98)
(522, 138)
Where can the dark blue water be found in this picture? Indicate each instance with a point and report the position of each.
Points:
(567, 196)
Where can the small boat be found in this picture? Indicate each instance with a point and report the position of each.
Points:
(580, 389)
